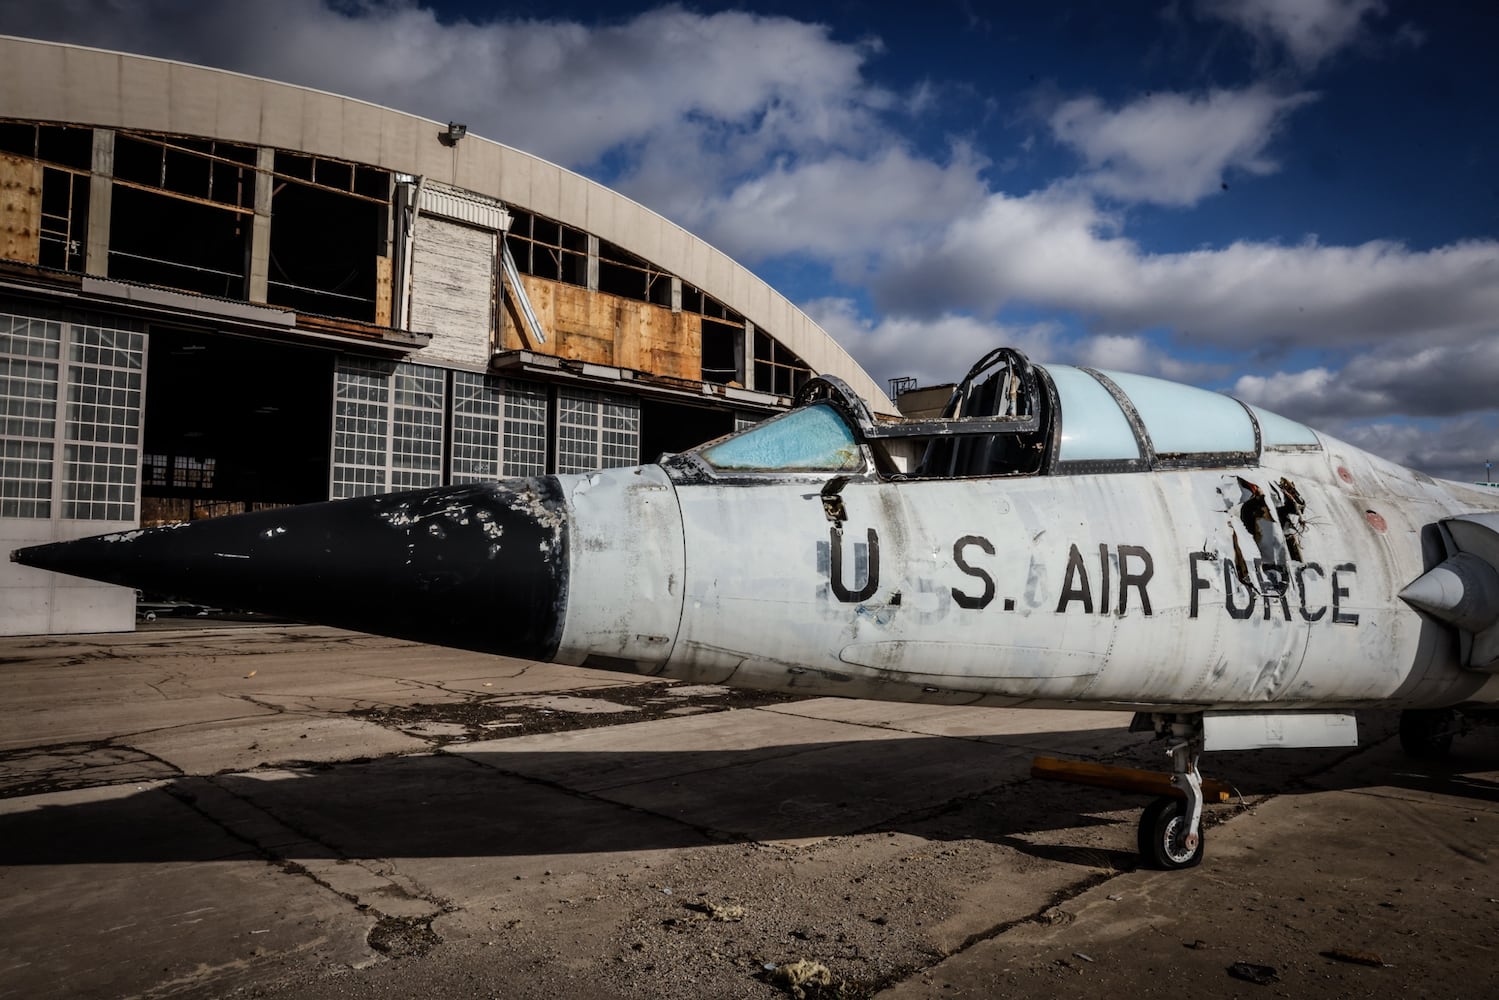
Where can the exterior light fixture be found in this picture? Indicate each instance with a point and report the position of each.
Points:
(456, 131)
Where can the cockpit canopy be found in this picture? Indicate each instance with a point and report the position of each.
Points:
(1007, 418)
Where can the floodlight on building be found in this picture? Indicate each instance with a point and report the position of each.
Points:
(456, 131)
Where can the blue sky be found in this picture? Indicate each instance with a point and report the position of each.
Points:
(1293, 200)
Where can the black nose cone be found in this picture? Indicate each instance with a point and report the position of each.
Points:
(480, 566)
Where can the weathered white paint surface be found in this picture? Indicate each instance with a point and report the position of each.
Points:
(626, 569)
(1027, 590)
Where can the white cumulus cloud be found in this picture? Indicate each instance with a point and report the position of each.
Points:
(1173, 148)
(1064, 252)
(1309, 30)
(933, 350)
(1402, 378)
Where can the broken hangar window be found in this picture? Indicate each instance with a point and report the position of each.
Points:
(777, 369)
(632, 277)
(45, 171)
(545, 248)
(181, 213)
(723, 352)
(328, 233)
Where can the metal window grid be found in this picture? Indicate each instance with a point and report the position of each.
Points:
(29, 358)
(595, 431)
(101, 434)
(416, 430)
(361, 418)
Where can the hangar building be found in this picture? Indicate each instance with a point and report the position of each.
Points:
(219, 293)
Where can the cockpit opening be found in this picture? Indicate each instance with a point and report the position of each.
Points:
(993, 423)
(1006, 418)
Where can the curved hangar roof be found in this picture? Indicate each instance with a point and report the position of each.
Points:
(47, 81)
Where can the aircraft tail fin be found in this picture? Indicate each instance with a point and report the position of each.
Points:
(1463, 590)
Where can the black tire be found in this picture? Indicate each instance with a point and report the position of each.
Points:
(1160, 826)
(1426, 733)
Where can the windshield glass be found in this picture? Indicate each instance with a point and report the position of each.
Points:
(810, 439)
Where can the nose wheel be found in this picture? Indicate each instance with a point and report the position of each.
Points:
(1170, 835)
(1164, 840)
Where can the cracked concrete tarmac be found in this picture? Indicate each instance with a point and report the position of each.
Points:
(297, 812)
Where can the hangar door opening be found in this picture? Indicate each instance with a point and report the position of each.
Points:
(232, 424)
(673, 427)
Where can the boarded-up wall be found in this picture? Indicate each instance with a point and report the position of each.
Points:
(383, 281)
(20, 209)
(609, 330)
(452, 289)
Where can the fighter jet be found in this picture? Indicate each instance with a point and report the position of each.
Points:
(1059, 537)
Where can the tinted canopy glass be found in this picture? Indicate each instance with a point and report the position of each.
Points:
(1280, 432)
(1184, 420)
(1094, 428)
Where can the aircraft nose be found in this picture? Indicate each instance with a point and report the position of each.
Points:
(479, 566)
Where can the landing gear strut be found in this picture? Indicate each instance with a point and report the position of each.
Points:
(1170, 835)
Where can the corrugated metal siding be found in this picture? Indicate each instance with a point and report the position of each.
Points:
(452, 289)
(462, 206)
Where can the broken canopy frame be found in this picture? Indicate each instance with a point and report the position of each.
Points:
(998, 421)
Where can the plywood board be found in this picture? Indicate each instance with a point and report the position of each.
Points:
(383, 285)
(610, 330)
(20, 209)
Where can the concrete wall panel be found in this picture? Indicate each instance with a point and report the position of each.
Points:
(146, 94)
(188, 98)
(280, 117)
(89, 87)
(479, 167)
(323, 126)
(236, 117)
(514, 185)
(576, 201)
(546, 189)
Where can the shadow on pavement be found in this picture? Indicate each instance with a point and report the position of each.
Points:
(524, 802)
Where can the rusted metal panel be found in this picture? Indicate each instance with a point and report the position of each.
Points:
(20, 209)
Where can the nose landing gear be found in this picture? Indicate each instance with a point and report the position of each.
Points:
(1170, 835)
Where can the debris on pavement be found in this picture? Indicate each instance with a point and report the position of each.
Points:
(803, 979)
(707, 910)
(1261, 975)
(1356, 957)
